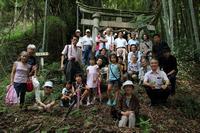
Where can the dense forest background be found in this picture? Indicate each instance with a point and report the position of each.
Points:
(178, 22)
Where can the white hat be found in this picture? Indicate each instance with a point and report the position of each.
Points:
(88, 30)
(31, 46)
(48, 84)
(128, 82)
(78, 30)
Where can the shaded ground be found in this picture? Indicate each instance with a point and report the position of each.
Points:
(181, 115)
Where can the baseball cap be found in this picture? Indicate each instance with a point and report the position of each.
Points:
(31, 46)
(88, 30)
(78, 30)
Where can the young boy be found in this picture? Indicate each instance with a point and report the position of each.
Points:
(67, 95)
(128, 105)
(46, 100)
(80, 88)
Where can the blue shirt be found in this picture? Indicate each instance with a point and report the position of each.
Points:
(114, 72)
(133, 42)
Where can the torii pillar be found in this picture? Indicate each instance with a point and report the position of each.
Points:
(95, 27)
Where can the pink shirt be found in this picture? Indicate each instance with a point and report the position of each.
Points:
(22, 72)
(92, 76)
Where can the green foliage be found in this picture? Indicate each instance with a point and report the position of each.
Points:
(3, 84)
(76, 113)
(189, 105)
(145, 125)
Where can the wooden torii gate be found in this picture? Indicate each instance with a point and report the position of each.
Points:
(101, 17)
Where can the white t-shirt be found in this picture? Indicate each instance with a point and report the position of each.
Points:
(80, 42)
(120, 42)
(110, 40)
(138, 54)
(87, 40)
(92, 75)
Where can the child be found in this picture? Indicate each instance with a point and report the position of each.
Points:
(123, 67)
(20, 75)
(80, 88)
(46, 100)
(114, 80)
(134, 50)
(128, 106)
(133, 67)
(67, 95)
(92, 79)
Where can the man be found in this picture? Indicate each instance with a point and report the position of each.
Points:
(121, 45)
(31, 49)
(78, 34)
(156, 84)
(110, 40)
(74, 56)
(159, 45)
(132, 41)
(143, 70)
(46, 100)
(87, 46)
(169, 65)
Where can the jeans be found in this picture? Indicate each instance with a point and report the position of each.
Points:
(86, 54)
(158, 96)
(130, 119)
(21, 91)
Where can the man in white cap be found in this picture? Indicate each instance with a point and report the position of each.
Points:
(46, 100)
(128, 106)
(87, 46)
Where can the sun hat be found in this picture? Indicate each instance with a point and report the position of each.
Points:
(128, 82)
(31, 46)
(48, 84)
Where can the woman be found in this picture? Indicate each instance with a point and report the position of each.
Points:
(20, 75)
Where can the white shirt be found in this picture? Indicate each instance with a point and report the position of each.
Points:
(92, 75)
(110, 41)
(72, 52)
(138, 54)
(156, 78)
(87, 40)
(80, 43)
(120, 42)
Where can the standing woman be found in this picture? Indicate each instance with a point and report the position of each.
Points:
(20, 75)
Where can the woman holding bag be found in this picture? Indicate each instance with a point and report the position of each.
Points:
(20, 76)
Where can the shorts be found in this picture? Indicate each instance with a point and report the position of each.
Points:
(115, 83)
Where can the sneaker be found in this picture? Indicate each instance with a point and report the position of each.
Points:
(114, 103)
(109, 103)
(88, 103)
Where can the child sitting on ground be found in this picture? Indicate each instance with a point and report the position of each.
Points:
(128, 106)
(80, 88)
(133, 68)
(92, 80)
(67, 95)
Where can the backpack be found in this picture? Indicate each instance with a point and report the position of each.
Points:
(11, 95)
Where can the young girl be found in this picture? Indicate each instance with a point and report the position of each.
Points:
(80, 88)
(67, 95)
(92, 79)
(20, 76)
(133, 67)
(114, 80)
(123, 67)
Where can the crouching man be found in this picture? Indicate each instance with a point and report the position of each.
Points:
(128, 106)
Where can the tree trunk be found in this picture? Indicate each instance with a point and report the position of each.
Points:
(171, 24)
(166, 21)
(194, 25)
(15, 12)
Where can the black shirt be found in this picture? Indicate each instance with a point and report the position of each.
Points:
(104, 60)
(168, 64)
(157, 49)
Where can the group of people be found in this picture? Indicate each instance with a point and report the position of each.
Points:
(121, 60)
